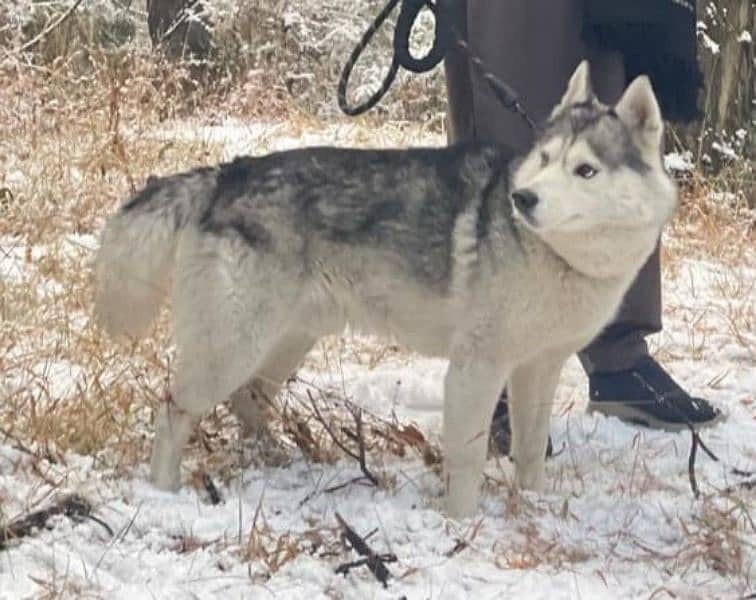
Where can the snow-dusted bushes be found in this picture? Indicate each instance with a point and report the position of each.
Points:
(299, 46)
(95, 26)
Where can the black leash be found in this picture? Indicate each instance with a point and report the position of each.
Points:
(353, 111)
(446, 37)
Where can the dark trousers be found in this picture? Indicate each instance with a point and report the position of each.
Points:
(535, 45)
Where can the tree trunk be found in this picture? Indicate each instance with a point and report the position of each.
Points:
(179, 28)
(727, 59)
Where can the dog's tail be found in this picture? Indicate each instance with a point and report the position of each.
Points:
(134, 265)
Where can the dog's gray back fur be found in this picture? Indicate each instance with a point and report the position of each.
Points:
(401, 202)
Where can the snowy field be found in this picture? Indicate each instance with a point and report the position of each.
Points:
(619, 520)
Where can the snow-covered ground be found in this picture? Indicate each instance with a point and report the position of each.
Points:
(619, 520)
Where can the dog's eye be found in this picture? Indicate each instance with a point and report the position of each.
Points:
(544, 159)
(585, 171)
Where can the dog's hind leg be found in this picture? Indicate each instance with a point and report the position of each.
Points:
(223, 332)
(251, 403)
(531, 395)
(472, 387)
(209, 368)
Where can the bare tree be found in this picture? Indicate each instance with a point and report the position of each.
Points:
(727, 59)
(180, 28)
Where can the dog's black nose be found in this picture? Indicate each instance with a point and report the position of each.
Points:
(524, 200)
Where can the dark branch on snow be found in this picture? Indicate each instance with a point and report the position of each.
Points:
(375, 562)
(74, 507)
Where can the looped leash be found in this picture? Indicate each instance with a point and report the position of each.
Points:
(446, 37)
(353, 111)
(442, 40)
(409, 12)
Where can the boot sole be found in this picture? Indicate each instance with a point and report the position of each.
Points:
(629, 414)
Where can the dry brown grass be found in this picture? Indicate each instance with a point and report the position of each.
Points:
(73, 150)
(532, 551)
(716, 220)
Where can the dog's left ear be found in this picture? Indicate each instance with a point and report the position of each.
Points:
(579, 88)
(640, 112)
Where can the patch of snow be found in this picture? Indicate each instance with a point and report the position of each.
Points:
(728, 198)
(15, 179)
(708, 43)
(680, 162)
(725, 149)
(239, 138)
(13, 267)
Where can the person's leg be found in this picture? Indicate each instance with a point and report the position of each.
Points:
(533, 45)
(460, 117)
(623, 343)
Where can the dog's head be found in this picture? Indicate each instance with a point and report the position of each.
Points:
(596, 176)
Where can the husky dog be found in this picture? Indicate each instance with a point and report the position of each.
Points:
(504, 267)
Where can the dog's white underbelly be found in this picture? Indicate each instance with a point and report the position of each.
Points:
(407, 314)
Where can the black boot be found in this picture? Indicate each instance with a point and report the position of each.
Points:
(647, 395)
(501, 433)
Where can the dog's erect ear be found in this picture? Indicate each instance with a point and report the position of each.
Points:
(579, 88)
(640, 112)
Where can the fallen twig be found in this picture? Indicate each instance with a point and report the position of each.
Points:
(73, 506)
(212, 490)
(202, 481)
(375, 562)
(340, 486)
(748, 484)
(458, 547)
(692, 462)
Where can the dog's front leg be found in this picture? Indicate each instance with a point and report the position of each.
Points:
(472, 388)
(531, 395)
